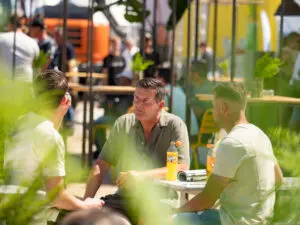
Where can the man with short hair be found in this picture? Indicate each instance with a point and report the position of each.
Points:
(46, 43)
(26, 50)
(37, 149)
(128, 53)
(149, 54)
(139, 141)
(245, 173)
(56, 62)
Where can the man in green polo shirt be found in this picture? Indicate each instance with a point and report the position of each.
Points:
(144, 135)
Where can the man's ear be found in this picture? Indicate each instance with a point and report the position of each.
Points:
(162, 104)
(64, 100)
(224, 108)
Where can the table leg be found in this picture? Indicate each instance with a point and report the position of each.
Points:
(184, 198)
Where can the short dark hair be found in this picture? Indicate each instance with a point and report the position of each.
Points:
(203, 45)
(53, 84)
(152, 83)
(232, 91)
(38, 22)
(164, 73)
(15, 19)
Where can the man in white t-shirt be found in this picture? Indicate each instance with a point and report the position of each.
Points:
(25, 52)
(36, 149)
(128, 54)
(245, 173)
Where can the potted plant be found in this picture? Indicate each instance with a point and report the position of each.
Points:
(224, 65)
(265, 67)
(138, 65)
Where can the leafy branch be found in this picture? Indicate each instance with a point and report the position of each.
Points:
(139, 64)
(267, 67)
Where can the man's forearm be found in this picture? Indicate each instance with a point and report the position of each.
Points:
(95, 178)
(199, 203)
(66, 201)
(160, 172)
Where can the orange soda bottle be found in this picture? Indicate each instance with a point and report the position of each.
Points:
(172, 162)
(211, 158)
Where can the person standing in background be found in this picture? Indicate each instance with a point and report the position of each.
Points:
(149, 54)
(128, 54)
(179, 99)
(56, 63)
(46, 43)
(25, 52)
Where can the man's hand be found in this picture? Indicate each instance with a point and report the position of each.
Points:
(128, 178)
(93, 203)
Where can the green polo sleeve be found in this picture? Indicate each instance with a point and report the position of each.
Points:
(180, 133)
(112, 148)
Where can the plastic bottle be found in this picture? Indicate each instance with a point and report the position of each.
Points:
(172, 162)
(211, 159)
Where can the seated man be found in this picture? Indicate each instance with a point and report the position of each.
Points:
(139, 141)
(36, 149)
(245, 173)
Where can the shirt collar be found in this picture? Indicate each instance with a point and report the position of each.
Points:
(163, 120)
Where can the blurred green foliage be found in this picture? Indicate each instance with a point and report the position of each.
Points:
(139, 64)
(267, 67)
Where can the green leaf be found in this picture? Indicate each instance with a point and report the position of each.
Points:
(267, 67)
(181, 6)
(139, 64)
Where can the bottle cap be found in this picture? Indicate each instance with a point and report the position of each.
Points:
(178, 143)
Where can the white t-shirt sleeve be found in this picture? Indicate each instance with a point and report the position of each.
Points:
(53, 157)
(229, 156)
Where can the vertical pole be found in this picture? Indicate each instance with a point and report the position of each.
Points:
(173, 78)
(215, 39)
(30, 9)
(196, 30)
(14, 43)
(143, 28)
(281, 27)
(85, 97)
(188, 63)
(233, 40)
(83, 154)
(91, 99)
(154, 25)
(64, 49)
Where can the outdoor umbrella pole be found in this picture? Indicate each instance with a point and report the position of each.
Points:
(173, 78)
(14, 43)
(233, 39)
(154, 25)
(187, 84)
(215, 39)
(196, 30)
(281, 28)
(91, 98)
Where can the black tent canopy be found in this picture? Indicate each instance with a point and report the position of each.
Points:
(288, 8)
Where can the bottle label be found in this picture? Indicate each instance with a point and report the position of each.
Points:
(172, 157)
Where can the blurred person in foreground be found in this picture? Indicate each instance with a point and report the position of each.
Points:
(26, 51)
(245, 174)
(139, 141)
(95, 217)
(46, 43)
(36, 149)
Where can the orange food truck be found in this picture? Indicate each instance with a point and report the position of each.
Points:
(77, 31)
